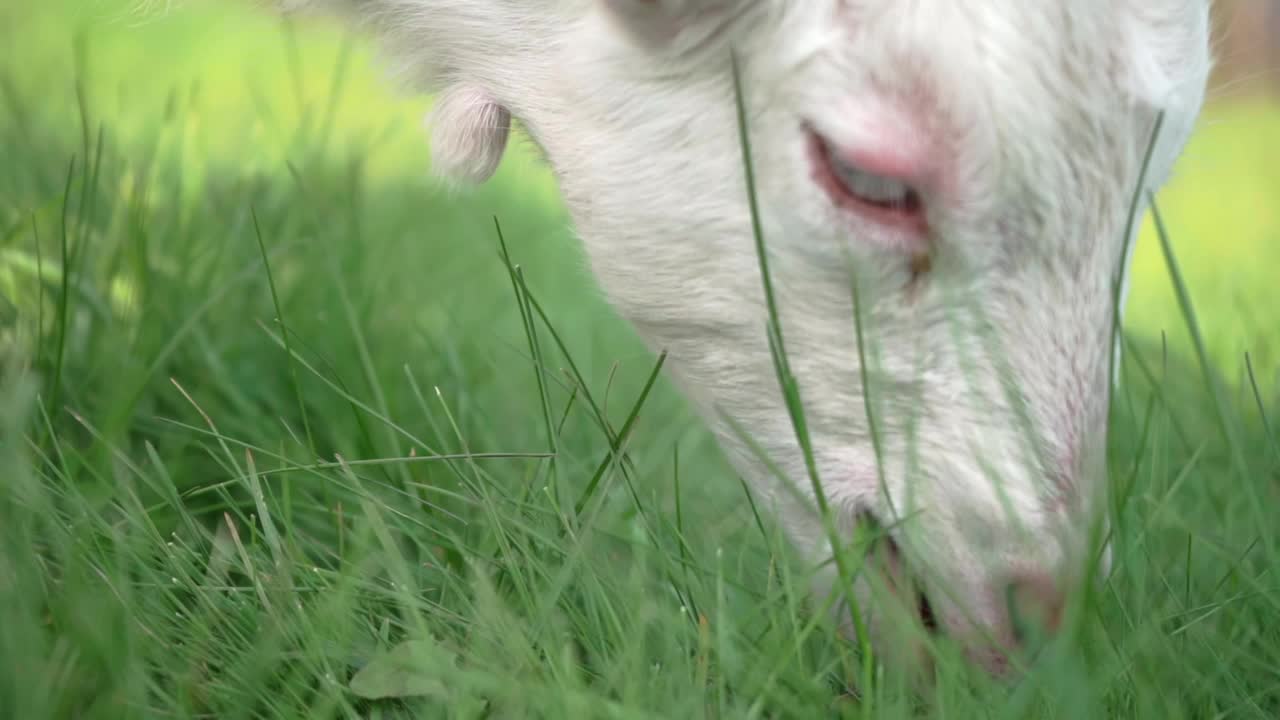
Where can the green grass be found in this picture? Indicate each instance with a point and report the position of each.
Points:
(272, 404)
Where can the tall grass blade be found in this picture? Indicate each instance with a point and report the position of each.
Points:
(786, 381)
(284, 334)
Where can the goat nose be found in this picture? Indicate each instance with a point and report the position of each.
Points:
(1035, 605)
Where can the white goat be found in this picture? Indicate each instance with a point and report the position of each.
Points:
(968, 164)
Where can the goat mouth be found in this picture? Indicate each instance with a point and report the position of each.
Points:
(901, 582)
(880, 199)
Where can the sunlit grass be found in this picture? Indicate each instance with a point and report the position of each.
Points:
(1223, 208)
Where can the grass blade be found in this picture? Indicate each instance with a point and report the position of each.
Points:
(786, 381)
(64, 298)
(284, 334)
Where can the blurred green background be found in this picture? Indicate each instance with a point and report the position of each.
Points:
(242, 84)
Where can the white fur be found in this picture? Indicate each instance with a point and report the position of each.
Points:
(469, 132)
(1043, 109)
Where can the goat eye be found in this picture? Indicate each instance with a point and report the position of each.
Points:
(879, 188)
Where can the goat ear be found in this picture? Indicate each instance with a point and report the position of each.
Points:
(469, 133)
(660, 23)
(1169, 60)
(1169, 48)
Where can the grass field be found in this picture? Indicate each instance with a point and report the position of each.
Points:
(276, 441)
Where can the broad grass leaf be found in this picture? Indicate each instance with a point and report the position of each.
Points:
(410, 669)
